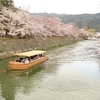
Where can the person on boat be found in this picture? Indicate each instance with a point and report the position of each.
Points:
(17, 60)
(42, 55)
(23, 60)
(32, 57)
(20, 59)
(26, 60)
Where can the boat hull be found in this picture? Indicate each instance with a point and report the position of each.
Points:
(13, 65)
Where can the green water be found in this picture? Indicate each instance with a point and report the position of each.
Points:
(71, 73)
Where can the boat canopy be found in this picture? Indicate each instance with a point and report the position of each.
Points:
(30, 53)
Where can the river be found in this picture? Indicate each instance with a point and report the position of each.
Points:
(71, 73)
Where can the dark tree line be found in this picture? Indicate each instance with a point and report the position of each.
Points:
(7, 3)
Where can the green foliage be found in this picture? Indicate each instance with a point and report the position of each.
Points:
(7, 3)
(92, 31)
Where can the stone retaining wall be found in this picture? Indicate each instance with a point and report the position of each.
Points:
(10, 46)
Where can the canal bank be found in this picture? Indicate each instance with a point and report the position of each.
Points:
(9, 46)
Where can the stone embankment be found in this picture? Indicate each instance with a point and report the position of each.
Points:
(10, 46)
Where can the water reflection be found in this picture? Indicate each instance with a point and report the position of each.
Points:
(21, 81)
(9, 82)
(72, 72)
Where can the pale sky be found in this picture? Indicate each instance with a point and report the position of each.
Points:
(60, 6)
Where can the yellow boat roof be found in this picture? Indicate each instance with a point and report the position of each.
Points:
(30, 53)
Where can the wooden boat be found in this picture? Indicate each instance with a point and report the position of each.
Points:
(14, 65)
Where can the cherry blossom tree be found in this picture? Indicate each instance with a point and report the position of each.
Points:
(23, 23)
